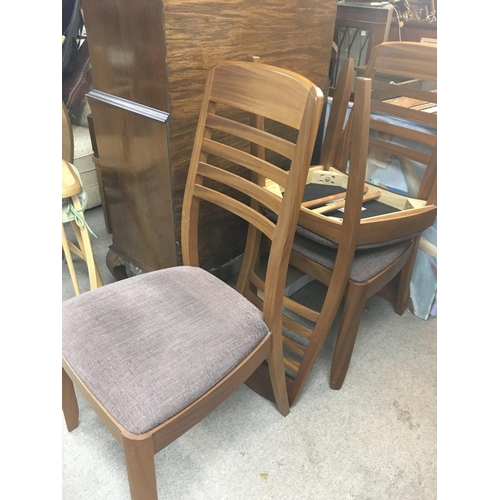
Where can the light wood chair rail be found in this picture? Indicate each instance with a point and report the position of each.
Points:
(71, 189)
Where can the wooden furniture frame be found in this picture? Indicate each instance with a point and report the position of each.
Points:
(358, 26)
(411, 62)
(236, 93)
(414, 214)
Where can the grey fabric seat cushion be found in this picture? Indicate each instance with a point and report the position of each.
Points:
(367, 262)
(150, 345)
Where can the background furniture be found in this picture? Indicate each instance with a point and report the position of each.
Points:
(73, 214)
(152, 363)
(74, 203)
(149, 61)
(358, 28)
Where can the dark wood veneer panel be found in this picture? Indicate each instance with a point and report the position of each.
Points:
(158, 53)
(294, 35)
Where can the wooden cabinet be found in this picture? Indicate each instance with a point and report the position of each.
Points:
(149, 61)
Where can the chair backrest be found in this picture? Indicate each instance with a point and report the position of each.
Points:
(403, 126)
(331, 151)
(226, 170)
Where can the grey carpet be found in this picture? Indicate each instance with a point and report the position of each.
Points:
(374, 439)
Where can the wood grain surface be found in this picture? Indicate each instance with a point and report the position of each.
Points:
(158, 54)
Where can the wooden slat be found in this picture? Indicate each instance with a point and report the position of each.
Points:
(256, 281)
(247, 160)
(297, 327)
(254, 299)
(411, 154)
(404, 132)
(301, 309)
(405, 113)
(294, 346)
(263, 196)
(290, 304)
(398, 90)
(243, 131)
(291, 364)
(284, 92)
(236, 207)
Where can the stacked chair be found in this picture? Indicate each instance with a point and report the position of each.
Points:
(359, 250)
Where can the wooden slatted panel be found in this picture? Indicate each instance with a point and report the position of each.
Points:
(263, 196)
(290, 304)
(237, 208)
(247, 160)
(405, 113)
(411, 154)
(394, 90)
(243, 131)
(404, 132)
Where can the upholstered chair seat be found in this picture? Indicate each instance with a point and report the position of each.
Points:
(172, 336)
(366, 264)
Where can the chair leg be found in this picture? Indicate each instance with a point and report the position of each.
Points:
(405, 279)
(278, 382)
(83, 238)
(69, 261)
(140, 460)
(69, 402)
(355, 299)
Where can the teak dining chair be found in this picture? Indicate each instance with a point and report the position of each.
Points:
(403, 127)
(356, 253)
(155, 353)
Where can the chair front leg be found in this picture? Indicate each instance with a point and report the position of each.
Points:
(140, 460)
(69, 402)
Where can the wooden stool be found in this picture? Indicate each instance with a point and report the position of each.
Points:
(71, 189)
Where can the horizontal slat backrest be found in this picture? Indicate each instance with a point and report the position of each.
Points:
(227, 171)
(403, 125)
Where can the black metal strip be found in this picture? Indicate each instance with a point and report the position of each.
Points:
(134, 107)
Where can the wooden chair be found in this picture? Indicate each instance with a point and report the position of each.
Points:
(403, 126)
(355, 261)
(155, 353)
(73, 208)
(332, 150)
